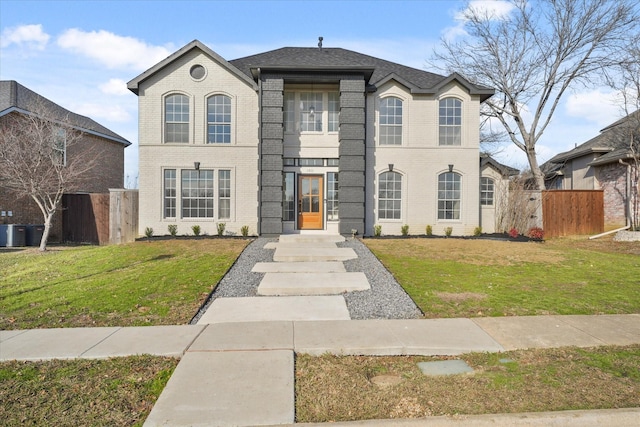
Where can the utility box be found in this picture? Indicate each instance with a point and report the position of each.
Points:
(34, 234)
(16, 235)
(3, 234)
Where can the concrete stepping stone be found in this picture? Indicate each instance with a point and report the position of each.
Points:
(445, 367)
(299, 267)
(313, 254)
(311, 238)
(239, 388)
(299, 245)
(261, 309)
(312, 283)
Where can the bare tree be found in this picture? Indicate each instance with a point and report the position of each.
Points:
(624, 135)
(532, 56)
(40, 159)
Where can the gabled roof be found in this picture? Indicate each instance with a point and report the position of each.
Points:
(487, 160)
(378, 71)
(604, 143)
(16, 98)
(196, 44)
(322, 60)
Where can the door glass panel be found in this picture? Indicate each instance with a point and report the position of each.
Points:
(315, 204)
(305, 187)
(305, 204)
(314, 186)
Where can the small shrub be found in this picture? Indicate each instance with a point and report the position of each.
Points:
(477, 231)
(536, 233)
(377, 230)
(196, 230)
(173, 229)
(405, 230)
(221, 226)
(244, 230)
(513, 233)
(429, 230)
(448, 231)
(148, 232)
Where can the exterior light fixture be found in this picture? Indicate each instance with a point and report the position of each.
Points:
(196, 165)
(450, 168)
(390, 167)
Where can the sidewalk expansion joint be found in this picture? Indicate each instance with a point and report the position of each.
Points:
(119, 328)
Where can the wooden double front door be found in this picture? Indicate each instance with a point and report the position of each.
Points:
(310, 202)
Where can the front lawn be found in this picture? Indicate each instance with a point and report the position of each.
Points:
(471, 278)
(143, 283)
(115, 392)
(345, 388)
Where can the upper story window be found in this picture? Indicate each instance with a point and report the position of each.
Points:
(390, 121)
(311, 112)
(390, 195)
(60, 145)
(176, 109)
(486, 191)
(449, 194)
(218, 119)
(450, 114)
(289, 111)
(334, 111)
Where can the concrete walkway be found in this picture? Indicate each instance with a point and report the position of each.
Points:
(237, 363)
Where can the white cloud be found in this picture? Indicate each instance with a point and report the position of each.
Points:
(100, 112)
(114, 87)
(112, 50)
(30, 36)
(494, 9)
(596, 106)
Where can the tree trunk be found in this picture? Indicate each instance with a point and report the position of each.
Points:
(538, 176)
(48, 218)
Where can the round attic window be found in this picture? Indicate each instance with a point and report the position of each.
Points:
(197, 72)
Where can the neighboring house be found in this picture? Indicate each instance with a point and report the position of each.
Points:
(318, 140)
(109, 170)
(604, 162)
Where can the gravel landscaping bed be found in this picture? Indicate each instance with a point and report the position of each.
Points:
(385, 300)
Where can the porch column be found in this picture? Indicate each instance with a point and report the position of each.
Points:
(271, 152)
(351, 182)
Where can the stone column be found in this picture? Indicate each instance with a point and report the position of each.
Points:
(271, 152)
(351, 183)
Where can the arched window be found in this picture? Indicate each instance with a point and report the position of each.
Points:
(390, 117)
(449, 194)
(389, 195)
(219, 119)
(176, 110)
(450, 121)
(486, 191)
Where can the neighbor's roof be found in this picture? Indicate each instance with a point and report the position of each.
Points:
(15, 97)
(326, 60)
(604, 143)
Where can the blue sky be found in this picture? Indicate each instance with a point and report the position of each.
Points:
(80, 54)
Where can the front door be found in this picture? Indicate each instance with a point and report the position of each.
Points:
(310, 202)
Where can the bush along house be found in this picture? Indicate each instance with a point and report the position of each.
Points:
(309, 140)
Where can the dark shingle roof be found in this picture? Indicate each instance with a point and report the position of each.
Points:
(15, 97)
(333, 60)
(487, 160)
(605, 142)
(302, 58)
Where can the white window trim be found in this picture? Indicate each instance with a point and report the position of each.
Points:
(403, 126)
(164, 118)
(450, 221)
(403, 197)
(206, 120)
(462, 120)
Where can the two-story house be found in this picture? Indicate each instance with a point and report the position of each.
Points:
(317, 140)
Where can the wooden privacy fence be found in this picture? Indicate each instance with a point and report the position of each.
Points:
(100, 219)
(572, 212)
(85, 218)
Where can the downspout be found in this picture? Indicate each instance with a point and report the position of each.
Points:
(259, 152)
(364, 220)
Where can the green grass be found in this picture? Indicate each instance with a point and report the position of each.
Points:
(143, 283)
(342, 388)
(463, 278)
(115, 392)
